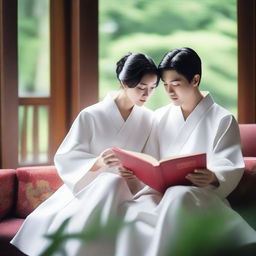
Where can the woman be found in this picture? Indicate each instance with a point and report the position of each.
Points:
(117, 121)
(194, 123)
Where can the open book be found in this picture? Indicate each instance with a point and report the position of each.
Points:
(161, 174)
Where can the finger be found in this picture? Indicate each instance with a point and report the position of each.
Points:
(202, 171)
(107, 152)
(110, 156)
(107, 160)
(199, 176)
(199, 182)
(127, 172)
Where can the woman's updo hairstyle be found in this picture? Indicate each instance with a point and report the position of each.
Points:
(132, 67)
(184, 61)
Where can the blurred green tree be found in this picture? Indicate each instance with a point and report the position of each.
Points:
(154, 27)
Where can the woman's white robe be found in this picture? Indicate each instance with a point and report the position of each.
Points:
(96, 128)
(157, 219)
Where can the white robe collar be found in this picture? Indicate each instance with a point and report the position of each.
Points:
(184, 128)
(124, 129)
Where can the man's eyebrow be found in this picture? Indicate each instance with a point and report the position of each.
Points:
(174, 80)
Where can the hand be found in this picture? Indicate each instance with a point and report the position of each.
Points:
(126, 173)
(106, 158)
(202, 178)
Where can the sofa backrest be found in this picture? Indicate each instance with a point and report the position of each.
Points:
(7, 191)
(35, 185)
(248, 139)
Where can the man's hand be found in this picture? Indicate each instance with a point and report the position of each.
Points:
(203, 177)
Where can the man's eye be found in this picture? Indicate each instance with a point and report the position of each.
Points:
(140, 88)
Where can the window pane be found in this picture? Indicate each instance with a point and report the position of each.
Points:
(33, 134)
(33, 48)
(155, 27)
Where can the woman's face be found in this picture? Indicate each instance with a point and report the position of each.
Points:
(178, 88)
(141, 93)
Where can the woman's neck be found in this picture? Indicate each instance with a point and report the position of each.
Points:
(124, 104)
(188, 108)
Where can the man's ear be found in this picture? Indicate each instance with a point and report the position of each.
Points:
(196, 80)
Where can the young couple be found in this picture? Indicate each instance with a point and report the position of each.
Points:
(94, 181)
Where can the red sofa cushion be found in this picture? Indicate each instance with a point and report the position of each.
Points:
(35, 185)
(9, 227)
(248, 139)
(7, 191)
(250, 163)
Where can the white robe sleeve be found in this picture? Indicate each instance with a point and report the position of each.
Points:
(226, 159)
(73, 158)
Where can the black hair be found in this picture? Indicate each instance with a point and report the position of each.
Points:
(184, 61)
(132, 67)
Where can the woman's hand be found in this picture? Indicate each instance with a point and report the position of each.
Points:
(126, 173)
(106, 158)
(203, 177)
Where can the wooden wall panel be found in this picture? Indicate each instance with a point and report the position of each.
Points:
(246, 61)
(8, 84)
(84, 54)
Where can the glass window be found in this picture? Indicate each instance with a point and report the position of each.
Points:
(155, 27)
(33, 48)
(33, 81)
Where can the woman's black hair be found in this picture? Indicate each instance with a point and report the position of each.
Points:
(132, 67)
(184, 61)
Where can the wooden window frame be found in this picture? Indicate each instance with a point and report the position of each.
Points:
(246, 20)
(74, 68)
(8, 84)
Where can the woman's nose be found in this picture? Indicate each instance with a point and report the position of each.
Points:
(145, 92)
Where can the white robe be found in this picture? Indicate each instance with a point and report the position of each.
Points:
(96, 128)
(157, 221)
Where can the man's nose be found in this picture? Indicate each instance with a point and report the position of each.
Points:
(169, 89)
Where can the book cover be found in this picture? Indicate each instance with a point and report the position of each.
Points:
(164, 173)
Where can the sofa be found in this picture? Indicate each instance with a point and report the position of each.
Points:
(23, 189)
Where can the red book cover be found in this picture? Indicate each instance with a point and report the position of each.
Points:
(164, 173)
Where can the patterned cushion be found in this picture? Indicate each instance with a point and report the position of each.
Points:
(7, 190)
(35, 185)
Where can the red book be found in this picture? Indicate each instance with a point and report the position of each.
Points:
(162, 174)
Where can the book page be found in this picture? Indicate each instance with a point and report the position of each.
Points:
(176, 157)
(143, 156)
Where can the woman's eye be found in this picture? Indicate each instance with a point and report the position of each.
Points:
(140, 88)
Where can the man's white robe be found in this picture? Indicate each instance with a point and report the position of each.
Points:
(96, 128)
(157, 219)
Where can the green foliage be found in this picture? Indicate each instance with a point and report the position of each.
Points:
(95, 231)
(199, 233)
(154, 27)
(33, 46)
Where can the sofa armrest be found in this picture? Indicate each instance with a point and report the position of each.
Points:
(35, 185)
(7, 191)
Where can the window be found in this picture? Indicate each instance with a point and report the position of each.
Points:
(33, 81)
(155, 27)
